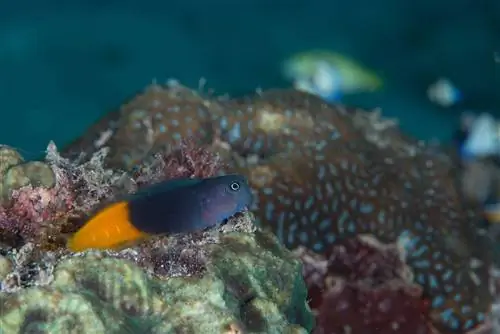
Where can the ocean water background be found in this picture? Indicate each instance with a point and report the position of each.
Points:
(63, 64)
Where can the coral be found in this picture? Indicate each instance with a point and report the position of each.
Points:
(164, 115)
(146, 124)
(232, 282)
(28, 191)
(5, 266)
(40, 197)
(35, 173)
(363, 276)
(185, 160)
(492, 323)
(8, 157)
(324, 172)
(26, 268)
(341, 189)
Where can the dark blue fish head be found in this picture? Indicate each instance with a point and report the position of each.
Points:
(189, 205)
(224, 196)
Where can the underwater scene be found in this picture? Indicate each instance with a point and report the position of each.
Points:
(250, 167)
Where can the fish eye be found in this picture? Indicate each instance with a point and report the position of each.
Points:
(234, 186)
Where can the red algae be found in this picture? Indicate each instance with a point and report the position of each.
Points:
(361, 287)
(186, 160)
(39, 213)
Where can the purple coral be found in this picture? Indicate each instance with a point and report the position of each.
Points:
(362, 286)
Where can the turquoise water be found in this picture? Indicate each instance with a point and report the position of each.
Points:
(64, 65)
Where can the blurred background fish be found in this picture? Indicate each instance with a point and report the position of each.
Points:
(329, 75)
(481, 137)
(444, 93)
(479, 151)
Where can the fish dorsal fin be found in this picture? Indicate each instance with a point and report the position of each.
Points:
(167, 186)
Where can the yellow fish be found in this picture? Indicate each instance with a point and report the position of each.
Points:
(329, 75)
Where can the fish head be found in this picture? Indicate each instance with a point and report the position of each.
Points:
(300, 67)
(224, 196)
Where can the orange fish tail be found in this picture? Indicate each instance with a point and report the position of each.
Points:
(108, 229)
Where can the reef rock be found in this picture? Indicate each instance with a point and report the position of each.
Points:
(323, 173)
(38, 198)
(235, 280)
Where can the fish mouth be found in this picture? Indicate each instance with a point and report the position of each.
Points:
(237, 214)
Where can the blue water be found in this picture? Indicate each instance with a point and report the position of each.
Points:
(64, 64)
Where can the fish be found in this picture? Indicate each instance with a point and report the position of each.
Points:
(170, 207)
(329, 75)
(444, 93)
(482, 139)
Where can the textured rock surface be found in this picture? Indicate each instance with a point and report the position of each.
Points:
(324, 172)
(211, 283)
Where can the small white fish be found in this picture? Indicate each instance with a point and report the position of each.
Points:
(444, 93)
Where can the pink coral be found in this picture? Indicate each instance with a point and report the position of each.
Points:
(34, 213)
(362, 286)
(31, 207)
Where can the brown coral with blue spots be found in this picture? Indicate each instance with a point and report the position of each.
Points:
(324, 173)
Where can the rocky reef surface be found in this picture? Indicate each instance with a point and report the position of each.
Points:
(239, 282)
(324, 174)
(386, 239)
(234, 279)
